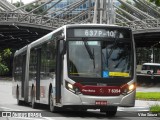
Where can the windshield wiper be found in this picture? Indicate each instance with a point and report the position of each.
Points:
(114, 45)
(91, 55)
(108, 54)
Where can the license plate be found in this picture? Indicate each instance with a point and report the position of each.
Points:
(101, 102)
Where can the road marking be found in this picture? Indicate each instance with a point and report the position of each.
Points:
(9, 109)
(133, 109)
(22, 118)
(48, 118)
(26, 118)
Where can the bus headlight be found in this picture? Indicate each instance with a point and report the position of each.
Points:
(126, 89)
(73, 88)
(70, 86)
(131, 87)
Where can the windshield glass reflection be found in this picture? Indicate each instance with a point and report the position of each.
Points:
(99, 59)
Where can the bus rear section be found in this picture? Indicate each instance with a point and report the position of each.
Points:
(20, 87)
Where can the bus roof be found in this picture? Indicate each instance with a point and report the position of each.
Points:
(34, 43)
(158, 64)
(90, 24)
(94, 25)
(20, 51)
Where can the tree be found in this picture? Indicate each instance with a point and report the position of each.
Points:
(143, 54)
(30, 7)
(33, 6)
(18, 4)
(157, 2)
(4, 56)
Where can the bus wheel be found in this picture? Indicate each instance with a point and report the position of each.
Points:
(111, 111)
(51, 103)
(33, 104)
(149, 73)
(19, 102)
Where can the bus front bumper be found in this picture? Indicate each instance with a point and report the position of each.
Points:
(85, 100)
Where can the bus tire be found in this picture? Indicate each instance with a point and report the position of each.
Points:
(111, 111)
(149, 73)
(19, 102)
(33, 103)
(52, 108)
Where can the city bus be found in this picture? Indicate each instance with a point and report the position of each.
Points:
(80, 67)
(150, 68)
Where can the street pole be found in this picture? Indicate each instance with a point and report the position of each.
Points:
(95, 11)
(20, 3)
(152, 55)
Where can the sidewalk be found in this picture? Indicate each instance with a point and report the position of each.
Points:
(5, 78)
(143, 103)
(140, 105)
(148, 89)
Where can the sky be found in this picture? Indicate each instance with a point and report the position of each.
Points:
(24, 1)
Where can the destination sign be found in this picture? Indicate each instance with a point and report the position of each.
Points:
(99, 33)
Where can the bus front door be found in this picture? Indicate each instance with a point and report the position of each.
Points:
(59, 69)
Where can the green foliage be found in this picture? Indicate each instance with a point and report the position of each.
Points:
(7, 52)
(4, 55)
(32, 7)
(17, 4)
(124, 8)
(155, 108)
(148, 96)
(143, 55)
(3, 69)
(157, 2)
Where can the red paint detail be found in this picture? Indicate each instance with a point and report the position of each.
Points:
(124, 87)
(100, 90)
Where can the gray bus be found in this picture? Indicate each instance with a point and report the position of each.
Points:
(81, 66)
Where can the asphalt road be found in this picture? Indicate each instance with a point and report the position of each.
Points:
(8, 104)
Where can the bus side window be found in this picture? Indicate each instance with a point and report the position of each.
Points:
(148, 68)
(158, 71)
(32, 65)
(15, 74)
(51, 48)
(143, 67)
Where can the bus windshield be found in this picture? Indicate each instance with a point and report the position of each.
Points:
(99, 59)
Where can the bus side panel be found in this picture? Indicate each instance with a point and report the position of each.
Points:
(38, 74)
(23, 74)
(129, 100)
